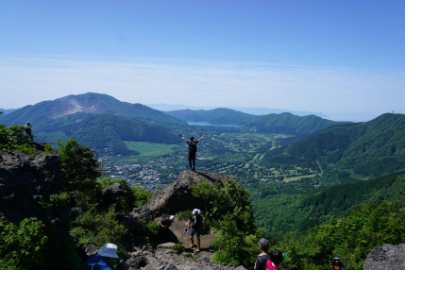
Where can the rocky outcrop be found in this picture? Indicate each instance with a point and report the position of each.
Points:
(178, 196)
(112, 194)
(164, 258)
(387, 257)
(24, 179)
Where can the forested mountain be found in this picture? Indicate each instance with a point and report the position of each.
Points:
(91, 103)
(215, 116)
(103, 131)
(288, 123)
(365, 149)
(296, 213)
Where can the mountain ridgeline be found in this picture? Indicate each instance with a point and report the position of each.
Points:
(91, 103)
(97, 120)
(219, 116)
(353, 150)
(285, 123)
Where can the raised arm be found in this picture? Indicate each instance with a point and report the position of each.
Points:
(203, 136)
(183, 138)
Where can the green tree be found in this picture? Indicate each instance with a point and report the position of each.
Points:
(80, 166)
(22, 246)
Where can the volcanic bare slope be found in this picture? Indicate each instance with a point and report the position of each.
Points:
(91, 103)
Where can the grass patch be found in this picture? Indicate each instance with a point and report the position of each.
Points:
(296, 178)
(147, 150)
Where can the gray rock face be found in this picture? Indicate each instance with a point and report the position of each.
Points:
(387, 257)
(178, 196)
(166, 245)
(90, 249)
(166, 259)
(23, 179)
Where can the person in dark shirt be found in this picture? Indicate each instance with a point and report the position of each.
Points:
(337, 264)
(192, 149)
(196, 227)
(102, 260)
(164, 226)
(263, 257)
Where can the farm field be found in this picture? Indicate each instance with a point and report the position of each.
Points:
(147, 151)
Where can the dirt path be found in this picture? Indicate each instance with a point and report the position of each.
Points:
(321, 171)
(178, 228)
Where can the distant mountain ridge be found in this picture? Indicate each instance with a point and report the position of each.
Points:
(91, 103)
(364, 149)
(286, 123)
(214, 116)
(250, 110)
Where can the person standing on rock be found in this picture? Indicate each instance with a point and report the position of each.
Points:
(192, 148)
(263, 257)
(196, 227)
(103, 259)
(28, 131)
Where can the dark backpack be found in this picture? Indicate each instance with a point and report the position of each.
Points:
(195, 220)
(192, 146)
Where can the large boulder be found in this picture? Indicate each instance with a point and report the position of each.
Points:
(24, 180)
(178, 196)
(387, 257)
(112, 194)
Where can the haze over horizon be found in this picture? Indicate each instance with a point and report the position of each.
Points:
(344, 59)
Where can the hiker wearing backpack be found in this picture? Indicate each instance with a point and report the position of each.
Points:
(274, 261)
(196, 227)
(337, 264)
(192, 149)
(263, 257)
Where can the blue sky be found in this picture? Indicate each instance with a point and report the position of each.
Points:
(345, 59)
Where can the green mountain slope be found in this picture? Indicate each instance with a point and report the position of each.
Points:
(222, 116)
(364, 150)
(351, 237)
(91, 103)
(288, 123)
(296, 213)
(103, 131)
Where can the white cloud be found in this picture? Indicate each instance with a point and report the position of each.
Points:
(350, 94)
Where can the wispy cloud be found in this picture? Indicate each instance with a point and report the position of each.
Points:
(352, 94)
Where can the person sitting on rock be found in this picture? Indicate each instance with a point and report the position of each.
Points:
(192, 148)
(103, 260)
(274, 260)
(337, 264)
(263, 257)
(164, 226)
(196, 227)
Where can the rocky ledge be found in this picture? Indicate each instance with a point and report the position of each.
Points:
(178, 196)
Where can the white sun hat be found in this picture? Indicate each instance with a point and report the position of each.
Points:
(171, 218)
(109, 250)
